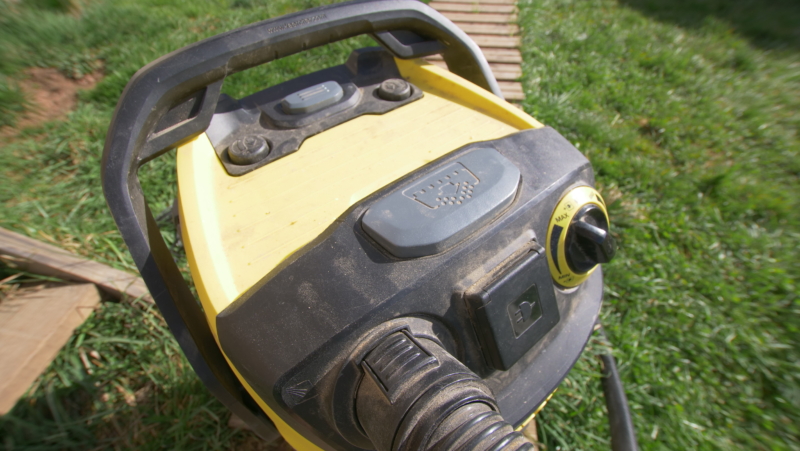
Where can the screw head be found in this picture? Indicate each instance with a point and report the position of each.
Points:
(394, 89)
(248, 150)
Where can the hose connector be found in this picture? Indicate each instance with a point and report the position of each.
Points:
(414, 395)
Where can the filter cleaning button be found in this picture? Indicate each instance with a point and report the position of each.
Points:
(443, 207)
(313, 99)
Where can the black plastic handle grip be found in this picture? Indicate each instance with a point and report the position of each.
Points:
(172, 100)
(198, 69)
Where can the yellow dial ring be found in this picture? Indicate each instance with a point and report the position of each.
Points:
(562, 217)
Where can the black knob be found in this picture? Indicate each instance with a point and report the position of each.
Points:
(589, 242)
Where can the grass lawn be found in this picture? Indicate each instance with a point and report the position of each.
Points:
(688, 110)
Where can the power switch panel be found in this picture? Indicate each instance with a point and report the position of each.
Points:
(514, 310)
(444, 206)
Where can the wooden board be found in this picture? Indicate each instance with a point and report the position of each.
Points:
(512, 75)
(40, 258)
(488, 28)
(33, 327)
(511, 90)
(495, 55)
(502, 72)
(505, 67)
(480, 17)
(484, 41)
(473, 7)
(490, 23)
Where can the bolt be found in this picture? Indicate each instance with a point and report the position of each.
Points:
(248, 150)
(394, 89)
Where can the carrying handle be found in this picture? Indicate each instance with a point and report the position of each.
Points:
(172, 100)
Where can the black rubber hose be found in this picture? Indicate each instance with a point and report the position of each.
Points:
(473, 429)
(623, 434)
(416, 396)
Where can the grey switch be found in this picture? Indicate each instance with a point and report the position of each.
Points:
(444, 206)
(313, 99)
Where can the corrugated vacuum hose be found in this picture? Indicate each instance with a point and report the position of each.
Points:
(416, 396)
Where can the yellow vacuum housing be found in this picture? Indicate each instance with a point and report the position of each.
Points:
(387, 254)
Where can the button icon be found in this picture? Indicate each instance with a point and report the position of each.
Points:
(454, 185)
(525, 310)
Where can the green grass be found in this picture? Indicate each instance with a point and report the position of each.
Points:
(12, 101)
(688, 112)
(692, 131)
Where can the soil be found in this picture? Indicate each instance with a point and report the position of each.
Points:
(51, 96)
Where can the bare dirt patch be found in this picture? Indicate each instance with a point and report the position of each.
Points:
(51, 96)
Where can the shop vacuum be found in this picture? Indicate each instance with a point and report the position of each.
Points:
(386, 254)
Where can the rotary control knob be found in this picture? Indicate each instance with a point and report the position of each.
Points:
(588, 241)
(578, 237)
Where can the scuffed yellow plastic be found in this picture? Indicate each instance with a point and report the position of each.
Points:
(237, 229)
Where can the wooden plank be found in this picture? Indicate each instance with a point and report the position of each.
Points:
(33, 328)
(513, 96)
(494, 55)
(506, 67)
(472, 7)
(508, 42)
(502, 75)
(492, 2)
(480, 17)
(490, 24)
(510, 85)
(488, 28)
(40, 258)
(506, 72)
(511, 90)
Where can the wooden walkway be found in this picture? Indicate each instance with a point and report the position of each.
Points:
(492, 25)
